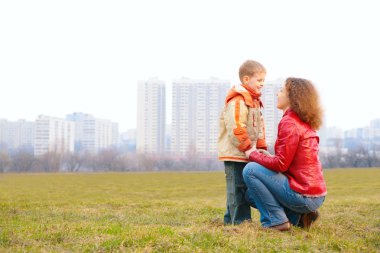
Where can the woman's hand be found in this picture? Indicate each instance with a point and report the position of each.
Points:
(263, 151)
(249, 151)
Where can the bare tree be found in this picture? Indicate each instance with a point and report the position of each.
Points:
(107, 158)
(50, 161)
(73, 161)
(5, 161)
(372, 158)
(145, 162)
(22, 160)
(359, 157)
(121, 163)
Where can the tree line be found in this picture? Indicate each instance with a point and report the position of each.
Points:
(112, 159)
(353, 158)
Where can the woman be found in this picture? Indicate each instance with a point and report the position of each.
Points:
(288, 187)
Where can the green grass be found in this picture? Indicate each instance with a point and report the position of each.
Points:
(173, 212)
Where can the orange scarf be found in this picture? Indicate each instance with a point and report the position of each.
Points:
(254, 95)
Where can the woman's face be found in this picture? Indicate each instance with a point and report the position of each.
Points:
(283, 102)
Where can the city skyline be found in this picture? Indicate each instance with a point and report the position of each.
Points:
(88, 56)
(168, 122)
(366, 124)
(91, 134)
(78, 132)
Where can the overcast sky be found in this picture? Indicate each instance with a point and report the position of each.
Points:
(59, 57)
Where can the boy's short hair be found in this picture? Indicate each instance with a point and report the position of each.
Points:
(249, 68)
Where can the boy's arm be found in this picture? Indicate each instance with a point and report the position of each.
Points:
(236, 116)
(261, 142)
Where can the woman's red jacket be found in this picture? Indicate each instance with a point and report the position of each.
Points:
(296, 156)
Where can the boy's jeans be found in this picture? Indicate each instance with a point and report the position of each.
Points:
(238, 208)
(269, 192)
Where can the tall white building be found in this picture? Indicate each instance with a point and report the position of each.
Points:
(196, 107)
(374, 128)
(3, 127)
(335, 133)
(115, 140)
(128, 136)
(128, 140)
(78, 118)
(16, 134)
(93, 134)
(322, 133)
(272, 115)
(53, 135)
(151, 117)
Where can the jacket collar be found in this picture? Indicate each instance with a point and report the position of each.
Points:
(289, 112)
(239, 90)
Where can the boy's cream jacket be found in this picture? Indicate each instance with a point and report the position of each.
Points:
(241, 126)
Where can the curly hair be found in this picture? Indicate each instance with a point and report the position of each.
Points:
(304, 100)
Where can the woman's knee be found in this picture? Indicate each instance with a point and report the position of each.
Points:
(249, 169)
(256, 171)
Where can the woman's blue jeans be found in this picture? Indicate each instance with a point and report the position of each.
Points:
(269, 192)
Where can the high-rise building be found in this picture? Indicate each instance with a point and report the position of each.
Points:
(322, 132)
(3, 127)
(335, 133)
(151, 117)
(115, 134)
(196, 107)
(93, 134)
(374, 128)
(272, 115)
(78, 118)
(128, 140)
(53, 135)
(16, 134)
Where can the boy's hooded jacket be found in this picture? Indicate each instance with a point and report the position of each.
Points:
(241, 125)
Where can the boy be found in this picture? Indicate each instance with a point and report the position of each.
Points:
(241, 129)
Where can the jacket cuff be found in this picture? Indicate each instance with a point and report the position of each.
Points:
(261, 144)
(243, 138)
(245, 145)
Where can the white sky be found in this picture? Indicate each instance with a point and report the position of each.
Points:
(59, 57)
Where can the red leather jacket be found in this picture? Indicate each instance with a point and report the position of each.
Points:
(296, 156)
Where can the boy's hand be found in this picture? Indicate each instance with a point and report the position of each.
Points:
(263, 151)
(249, 151)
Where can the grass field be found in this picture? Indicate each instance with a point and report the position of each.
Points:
(173, 212)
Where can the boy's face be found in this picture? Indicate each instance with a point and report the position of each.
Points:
(255, 82)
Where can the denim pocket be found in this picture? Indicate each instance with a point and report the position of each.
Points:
(314, 203)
